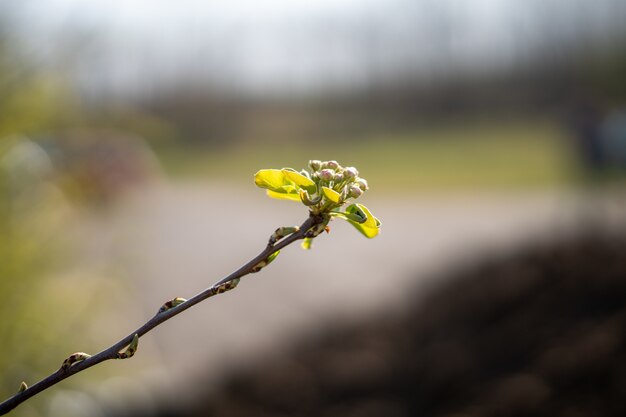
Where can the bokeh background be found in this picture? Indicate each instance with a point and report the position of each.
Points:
(492, 134)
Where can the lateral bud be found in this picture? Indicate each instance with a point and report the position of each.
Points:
(171, 304)
(131, 349)
(74, 358)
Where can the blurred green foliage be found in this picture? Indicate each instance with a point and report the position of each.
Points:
(50, 295)
(29, 247)
(35, 328)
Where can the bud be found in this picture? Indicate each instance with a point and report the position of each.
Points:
(362, 184)
(355, 191)
(315, 164)
(338, 176)
(350, 172)
(326, 175)
(331, 164)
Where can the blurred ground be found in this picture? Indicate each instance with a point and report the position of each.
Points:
(178, 238)
(427, 326)
(537, 332)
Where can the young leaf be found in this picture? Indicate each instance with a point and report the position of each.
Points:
(348, 216)
(369, 227)
(272, 179)
(272, 257)
(332, 195)
(300, 180)
(306, 243)
(284, 195)
(307, 200)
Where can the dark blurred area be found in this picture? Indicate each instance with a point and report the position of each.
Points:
(129, 134)
(540, 332)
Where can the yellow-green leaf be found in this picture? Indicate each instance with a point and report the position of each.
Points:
(370, 227)
(306, 243)
(272, 179)
(349, 216)
(332, 195)
(284, 196)
(300, 180)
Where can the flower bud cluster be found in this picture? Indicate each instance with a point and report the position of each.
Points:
(343, 180)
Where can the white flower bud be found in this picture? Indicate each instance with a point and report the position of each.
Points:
(315, 164)
(350, 172)
(338, 176)
(355, 191)
(326, 174)
(362, 184)
(331, 164)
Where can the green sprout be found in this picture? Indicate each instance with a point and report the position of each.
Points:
(325, 189)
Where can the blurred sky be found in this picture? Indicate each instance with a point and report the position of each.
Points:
(137, 47)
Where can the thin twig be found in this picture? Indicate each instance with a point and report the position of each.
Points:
(112, 351)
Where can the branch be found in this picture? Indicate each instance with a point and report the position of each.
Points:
(79, 362)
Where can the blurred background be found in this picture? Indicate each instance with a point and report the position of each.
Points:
(492, 134)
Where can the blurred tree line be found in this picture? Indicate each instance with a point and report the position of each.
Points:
(410, 67)
(545, 87)
(29, 99)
